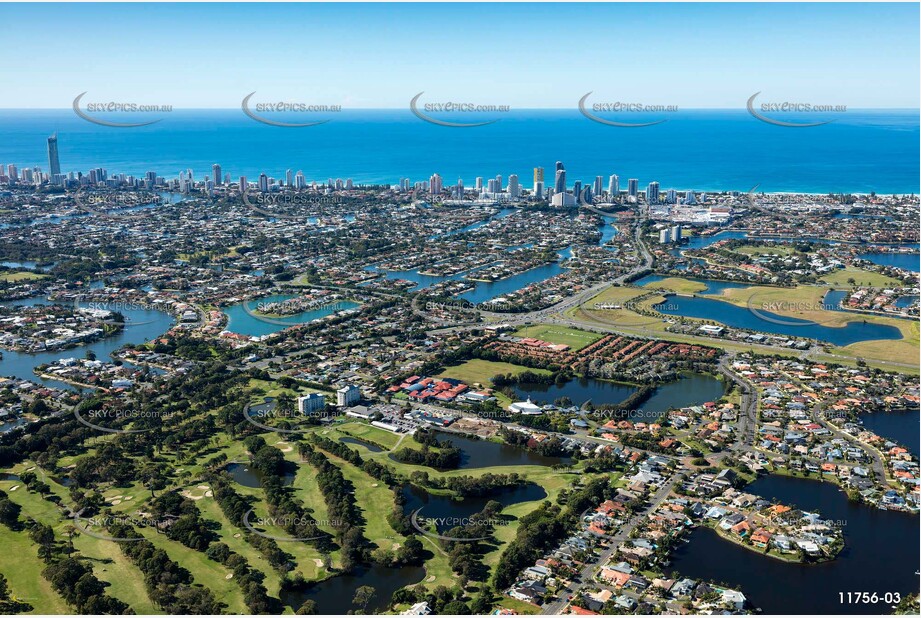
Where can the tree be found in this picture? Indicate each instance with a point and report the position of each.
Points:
(363, 596)
(9, 513)
(456, 607)
(307, 608)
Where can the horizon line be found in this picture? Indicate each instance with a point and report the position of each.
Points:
(512, 109)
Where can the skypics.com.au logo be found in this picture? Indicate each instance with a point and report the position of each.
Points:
(106, 310)
(261, 112)
(93, 418)
(288, 417)
(424, 112)
(791, 107)
(423, 525)
(114, 109)
(108, 203)
(308, 524)
(288, 204)
(622, 107)
(96, 525)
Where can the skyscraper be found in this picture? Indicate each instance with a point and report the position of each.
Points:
(514, 189)
(577, 189)
(499, 183)
(613, 186)
(216, 174)
(435, 184)
(289, 178)
(263, 183)
(538, 175)
(597, 188)
(559, 184)
(53, 162)
(652, 193)
(299, 181)
(633, 187)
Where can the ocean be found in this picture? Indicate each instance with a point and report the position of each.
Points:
(860, 152)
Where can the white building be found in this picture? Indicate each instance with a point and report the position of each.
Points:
(676, 233)
(563, 199)
(525, 407)
(311, 404)
(419, 609)
(348, 396)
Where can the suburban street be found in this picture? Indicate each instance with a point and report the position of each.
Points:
(587, 573)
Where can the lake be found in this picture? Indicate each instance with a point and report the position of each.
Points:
(141, 325)
(905, 261)
(880, 555)
(485, 291)
(485, 454)
(334, 596)
(901, 427)
(690, 390)
(242, 322)
(247, 475)
(371, 447)
(741, 317)
(449, 512)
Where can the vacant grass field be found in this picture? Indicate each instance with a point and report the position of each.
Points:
(574, 338)
(775, 250)
(478, 371)
(839, 278)
(21, 276)
(677, 284)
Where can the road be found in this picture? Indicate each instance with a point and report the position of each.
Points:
(748, 408)
(586, 576)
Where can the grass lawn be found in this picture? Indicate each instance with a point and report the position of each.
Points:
(479, 371)
(839, 278)
(678, 284)
(273, 389)
(20, 276)
(20, 564)
(107, 560)
(622, 316)
(111, 565)
(573, 337)
(759, 250)
(370, 433)
(205, 571)
(519, 607)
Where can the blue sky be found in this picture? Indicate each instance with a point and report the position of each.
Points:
(522, 55)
